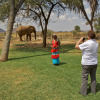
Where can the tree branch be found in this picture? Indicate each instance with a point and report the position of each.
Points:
(42, 11)
(83, 10)
(93, 7)
(39, 16)
(18, 6)
(41, 24)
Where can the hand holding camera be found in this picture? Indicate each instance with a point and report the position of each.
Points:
(83, 39)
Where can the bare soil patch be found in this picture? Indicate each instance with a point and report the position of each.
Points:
(16, 43)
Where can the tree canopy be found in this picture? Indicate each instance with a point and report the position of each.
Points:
(77, 28)
(4, 9)
(40, 11)
(78, 7)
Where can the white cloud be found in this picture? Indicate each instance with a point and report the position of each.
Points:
(83, 23)
(73, 18)
(85, 3)
(52, 14)
(63, 17)
(3, 25)
(88, 11)
(69, 19)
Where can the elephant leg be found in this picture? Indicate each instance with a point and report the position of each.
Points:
(20, 38)
(26, 37)
(30, 37)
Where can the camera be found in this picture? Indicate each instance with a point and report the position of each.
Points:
(83, 39)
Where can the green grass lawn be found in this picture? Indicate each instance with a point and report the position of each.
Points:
(30, 75)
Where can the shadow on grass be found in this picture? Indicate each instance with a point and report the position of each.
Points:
(28, 57)
(97, 88)
(67, 48)
(33, 47)
(62, 63)
(47, 50)
(63, 48)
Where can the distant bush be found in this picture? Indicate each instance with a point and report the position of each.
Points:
(74, 32)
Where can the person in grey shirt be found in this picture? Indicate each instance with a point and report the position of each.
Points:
(89, 61)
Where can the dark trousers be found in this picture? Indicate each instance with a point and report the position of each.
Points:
(86, 70)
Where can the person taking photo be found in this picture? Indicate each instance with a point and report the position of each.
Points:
(89, 62)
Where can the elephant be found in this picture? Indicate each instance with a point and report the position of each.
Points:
(26, 30)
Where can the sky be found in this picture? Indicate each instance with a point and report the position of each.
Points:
(65, 22)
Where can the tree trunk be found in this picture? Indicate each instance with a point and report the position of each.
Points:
(91, 26)
(12, 15)
(44, 38)
(5, 49)
(44, 35)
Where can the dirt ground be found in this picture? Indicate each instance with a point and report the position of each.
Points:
(15, 42)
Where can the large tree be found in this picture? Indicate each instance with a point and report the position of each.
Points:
(79, 7)
(11, 7)
(40, 11)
